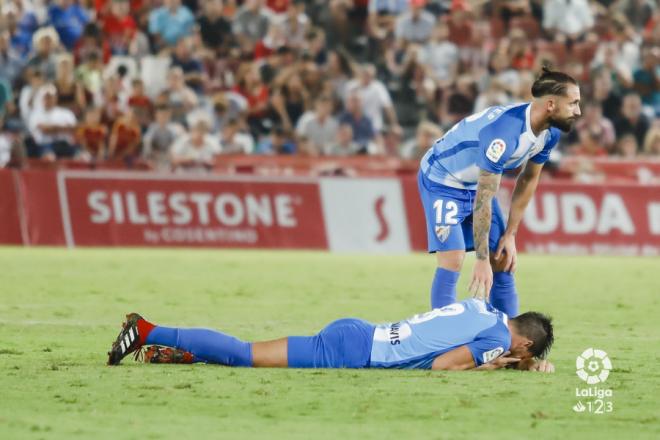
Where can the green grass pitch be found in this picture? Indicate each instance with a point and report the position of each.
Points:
(61, 309)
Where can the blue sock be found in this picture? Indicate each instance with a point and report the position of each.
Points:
(443, 289)
(209, 345)
(503, 294)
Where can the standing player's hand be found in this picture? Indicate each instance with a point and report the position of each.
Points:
(507, 249)
(482, 279)
(543, 365)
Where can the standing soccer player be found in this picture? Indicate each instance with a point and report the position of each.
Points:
(461, 173)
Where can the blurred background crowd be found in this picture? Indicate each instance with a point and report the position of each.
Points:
(183, 84)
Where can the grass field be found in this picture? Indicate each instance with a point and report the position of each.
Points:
(60, 310)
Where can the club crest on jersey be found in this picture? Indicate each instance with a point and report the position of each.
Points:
(493, 354)
(495, 150)
(442, 232)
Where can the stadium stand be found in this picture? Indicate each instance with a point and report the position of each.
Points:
(338, 87)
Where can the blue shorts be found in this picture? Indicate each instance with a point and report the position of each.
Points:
(448, 213)
(345, 343)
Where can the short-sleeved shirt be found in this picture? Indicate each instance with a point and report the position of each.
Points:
(363, 129)
(170, 26)
(497, 139)
(375, 99)
(55, 116)
(417, 341)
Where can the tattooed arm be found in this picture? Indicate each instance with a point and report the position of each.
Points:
(486, 188)
(482, 277)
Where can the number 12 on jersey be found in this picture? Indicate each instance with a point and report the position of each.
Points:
(448, 209)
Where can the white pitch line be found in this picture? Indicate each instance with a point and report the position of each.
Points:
(61, 323)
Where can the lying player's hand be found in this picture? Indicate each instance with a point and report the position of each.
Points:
(482, 279)
(505, 360)
(500, 362)
(508, 245)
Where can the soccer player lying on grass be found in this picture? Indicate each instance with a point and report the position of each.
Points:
(462, 336)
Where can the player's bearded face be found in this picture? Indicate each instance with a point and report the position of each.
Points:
(566, 110)
(564, 123)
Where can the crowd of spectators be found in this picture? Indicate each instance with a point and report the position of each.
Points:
(180, 83)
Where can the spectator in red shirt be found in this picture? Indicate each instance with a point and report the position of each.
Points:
(460, 25)
(274, 39)
(141, 103)
(520, 51)
(103, 6)
(125, 137)
(92, 134)
(252, 87)
(119, 26)
(278, 6)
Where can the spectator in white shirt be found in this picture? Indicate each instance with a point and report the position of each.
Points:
(234, 141)
(52, 128)
(319, 126)
(375, 97)
(196, 151)
(441, 55)
(8, 146)
(416, 24)
(160, 137)
(571, 18)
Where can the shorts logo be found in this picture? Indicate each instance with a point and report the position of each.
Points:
(442, 232)
(495, 150)
(593, 366)
(493, 354)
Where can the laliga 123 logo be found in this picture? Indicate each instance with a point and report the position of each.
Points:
(593, 366)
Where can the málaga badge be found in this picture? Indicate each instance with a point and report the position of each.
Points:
(442, 232)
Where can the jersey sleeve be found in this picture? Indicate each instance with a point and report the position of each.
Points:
(542, 156)
(497, 142)
(490, 344)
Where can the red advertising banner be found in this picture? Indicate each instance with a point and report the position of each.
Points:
(101, 208)
(129, 209)
(567, 218)
(570, 218)
(41, 205)
(12, 228)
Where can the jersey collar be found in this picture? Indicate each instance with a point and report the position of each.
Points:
(528, 121)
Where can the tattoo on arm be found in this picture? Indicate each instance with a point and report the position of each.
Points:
(486, 188)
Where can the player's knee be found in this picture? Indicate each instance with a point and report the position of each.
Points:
(497, 265)
(452, 260)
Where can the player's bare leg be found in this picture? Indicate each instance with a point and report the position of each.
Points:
(451, 260)
(270, 354)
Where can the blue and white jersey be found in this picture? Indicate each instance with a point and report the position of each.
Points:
(416, 342)
(496, 139)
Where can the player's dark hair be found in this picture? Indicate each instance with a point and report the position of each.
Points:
(536, 327)
(551, 82)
